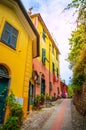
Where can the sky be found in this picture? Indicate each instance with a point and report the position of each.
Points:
(60, 24)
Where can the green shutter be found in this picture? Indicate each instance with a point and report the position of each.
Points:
(43, 55)
(44, 34)
(9, 35)
(57, 72)
(52, 49)
(57, 56)
(53, 67)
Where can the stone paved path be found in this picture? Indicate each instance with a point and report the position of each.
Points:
(38, 120)
(61, 118)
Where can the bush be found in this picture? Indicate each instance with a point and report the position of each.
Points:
(42, 99)
(15, 118)
(37, 101)
(70, 91)
(16, 110)
(48, 97)
(11, 123)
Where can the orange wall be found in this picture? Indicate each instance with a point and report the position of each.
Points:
(39, 67)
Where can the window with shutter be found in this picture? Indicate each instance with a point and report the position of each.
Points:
(57, 72)
(43, 55)
(9, 35)
(52, 49)
(53, 67)
(56, 56)
(44, 34)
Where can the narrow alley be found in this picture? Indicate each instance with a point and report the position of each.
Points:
(61, 116)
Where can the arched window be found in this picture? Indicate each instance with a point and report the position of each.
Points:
(4, 72)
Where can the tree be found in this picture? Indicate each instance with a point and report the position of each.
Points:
(80, 7)
(70, 91)
(77, 42)
(77, 56)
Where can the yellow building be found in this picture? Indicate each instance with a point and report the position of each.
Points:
(46, 66)
(19, 44)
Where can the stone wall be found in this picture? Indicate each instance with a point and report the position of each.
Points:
(80, 100)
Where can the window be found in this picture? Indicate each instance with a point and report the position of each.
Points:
(9, 35)
(43, 55)
(53, 67)
(57, 72)
(44, 34)
(52, 49)
(3, 71)
(56, 56)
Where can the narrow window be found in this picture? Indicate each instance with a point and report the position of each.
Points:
(57, 72)
(53, 67)
(43, 55)
(44, 34)
(9, 35)
(56, 56)
(52, 49)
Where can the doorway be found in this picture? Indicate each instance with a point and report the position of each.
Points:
(30, 95)
(43, 86)
(4, 80)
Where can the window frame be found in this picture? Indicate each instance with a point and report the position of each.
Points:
(44, 56)
(53, 49)
(53, 67)
(44, 34)
(56, 56)
(12, 35)
(57, 72)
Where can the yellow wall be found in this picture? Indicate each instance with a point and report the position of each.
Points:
(19, 61)
(48, 44)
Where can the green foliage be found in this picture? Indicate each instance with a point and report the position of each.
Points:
(79, 79)
(42, 98)
(48, 97)
(76, 4)
(77, 56)
(70, 91)
(77, 43)
(37, 101)
(4, 91)
(1, 128)
(15, 118)
(80, 6)
(12, 123)
(11, 99)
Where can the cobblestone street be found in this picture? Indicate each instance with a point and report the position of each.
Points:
(37, 119)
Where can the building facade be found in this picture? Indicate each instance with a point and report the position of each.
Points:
(46, 68)
(19, 44)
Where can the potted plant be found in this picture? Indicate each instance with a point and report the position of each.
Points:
(37, 101)
(42, 99)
